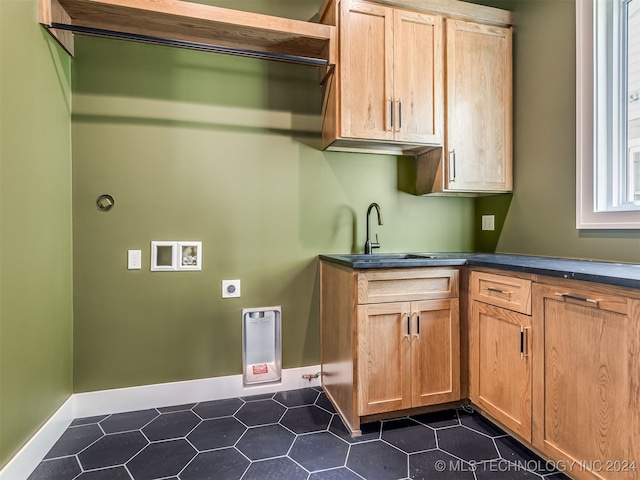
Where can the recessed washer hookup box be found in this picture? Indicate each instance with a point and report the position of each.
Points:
(261, 345)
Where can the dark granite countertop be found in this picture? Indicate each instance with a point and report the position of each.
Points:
(620, 274)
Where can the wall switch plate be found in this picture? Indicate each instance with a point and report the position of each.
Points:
(230, 288)
(488, 222)
(134, 259)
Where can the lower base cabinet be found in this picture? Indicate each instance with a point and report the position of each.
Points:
(501, 363)
(564, 379)
(408, 355)
(389, 340)
(554, 361)
(586, 363)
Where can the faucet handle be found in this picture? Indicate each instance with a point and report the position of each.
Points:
(376, 244)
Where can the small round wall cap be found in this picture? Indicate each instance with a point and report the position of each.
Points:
(105, 202)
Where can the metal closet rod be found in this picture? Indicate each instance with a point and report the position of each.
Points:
(190, 45)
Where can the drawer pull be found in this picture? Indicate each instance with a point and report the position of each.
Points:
(497, 290)
(567, 296)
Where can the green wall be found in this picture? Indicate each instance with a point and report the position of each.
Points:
(540, 218)
(35, 226)
(198, 146)
(223, 150)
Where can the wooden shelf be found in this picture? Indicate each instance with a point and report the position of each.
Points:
(190, 25)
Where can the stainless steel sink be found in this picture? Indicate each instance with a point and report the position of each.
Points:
(396, 260)
(386, 257)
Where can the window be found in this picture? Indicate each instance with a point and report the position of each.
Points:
(608, 113)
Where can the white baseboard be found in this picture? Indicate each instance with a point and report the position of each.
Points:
(29, 456)
(178, 393)
(120, 400)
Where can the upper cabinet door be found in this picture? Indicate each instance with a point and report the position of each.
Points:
(418, 77)
(366, 58)
(478, 107)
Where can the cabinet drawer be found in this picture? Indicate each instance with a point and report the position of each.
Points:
(378, 286)
(502, 291)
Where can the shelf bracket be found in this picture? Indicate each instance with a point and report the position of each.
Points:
(51, 12)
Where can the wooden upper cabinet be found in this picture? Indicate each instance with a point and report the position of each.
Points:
(387, 95)
(478, 154)
(434, 83)
(418, 77)
(366, 52)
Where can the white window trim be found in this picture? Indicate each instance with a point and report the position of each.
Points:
(586, 217)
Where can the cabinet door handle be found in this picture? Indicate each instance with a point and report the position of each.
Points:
(452, 163)
(399, 115)
(523, 342)
(409, 325)
(567, 296)
(497, 290)
(418, 324)
(391, 112)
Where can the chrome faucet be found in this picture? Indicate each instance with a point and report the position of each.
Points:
(368, 245)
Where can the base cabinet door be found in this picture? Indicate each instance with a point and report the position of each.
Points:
(384, 357)
(587, 380)
(435, 352)
(408, 355)
(502, 375)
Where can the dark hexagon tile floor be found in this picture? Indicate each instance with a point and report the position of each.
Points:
(377, 461)
(266, 441)
(285, 436)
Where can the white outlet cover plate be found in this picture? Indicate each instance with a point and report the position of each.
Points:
(230, 288)
(488, 222)
(134, 259)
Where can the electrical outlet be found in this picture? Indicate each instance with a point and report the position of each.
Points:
(488, 222)
(134, 259)
(230, 288)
